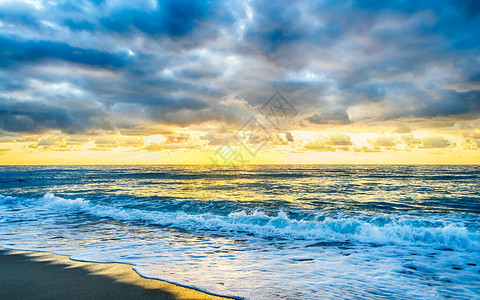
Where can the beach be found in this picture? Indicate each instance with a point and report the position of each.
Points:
(42, 275)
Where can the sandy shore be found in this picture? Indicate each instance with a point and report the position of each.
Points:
(39, 275)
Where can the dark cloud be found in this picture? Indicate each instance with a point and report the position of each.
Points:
(17, 53)
(132, 64)
(186, 23)
(39, 117)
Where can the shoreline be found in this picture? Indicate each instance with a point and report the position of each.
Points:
(44, 275)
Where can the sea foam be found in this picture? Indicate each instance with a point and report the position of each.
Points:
(386, 229)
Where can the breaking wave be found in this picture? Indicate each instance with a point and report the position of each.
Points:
(441, 231)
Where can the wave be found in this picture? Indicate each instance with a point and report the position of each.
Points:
(438, 231)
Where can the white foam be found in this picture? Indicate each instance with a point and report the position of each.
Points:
(390, 229)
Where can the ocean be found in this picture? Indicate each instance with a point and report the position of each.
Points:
(259, 232)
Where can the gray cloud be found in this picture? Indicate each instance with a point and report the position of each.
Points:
(128, 65)
(39, 117)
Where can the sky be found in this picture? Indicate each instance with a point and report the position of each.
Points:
(189, 82)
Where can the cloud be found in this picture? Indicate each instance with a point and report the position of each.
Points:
(339, 140)
(35, 117)
(83, 67)
(329, 118)
(332, 142)
(289, 137)
(384, 141)
(55, 142)
(403, 128)
(16, 53)
(170, 18)
(153, 147)
(318, 145)
(180, 138)
(436, 142)
(411, 140)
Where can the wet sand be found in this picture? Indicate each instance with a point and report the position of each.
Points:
(41, 275)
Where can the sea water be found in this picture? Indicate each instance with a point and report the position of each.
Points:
(259, 232)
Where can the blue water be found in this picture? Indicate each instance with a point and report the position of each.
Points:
(260, 232)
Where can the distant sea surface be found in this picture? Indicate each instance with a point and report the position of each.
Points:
(259, 232)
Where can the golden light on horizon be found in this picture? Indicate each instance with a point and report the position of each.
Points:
(324, 146)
